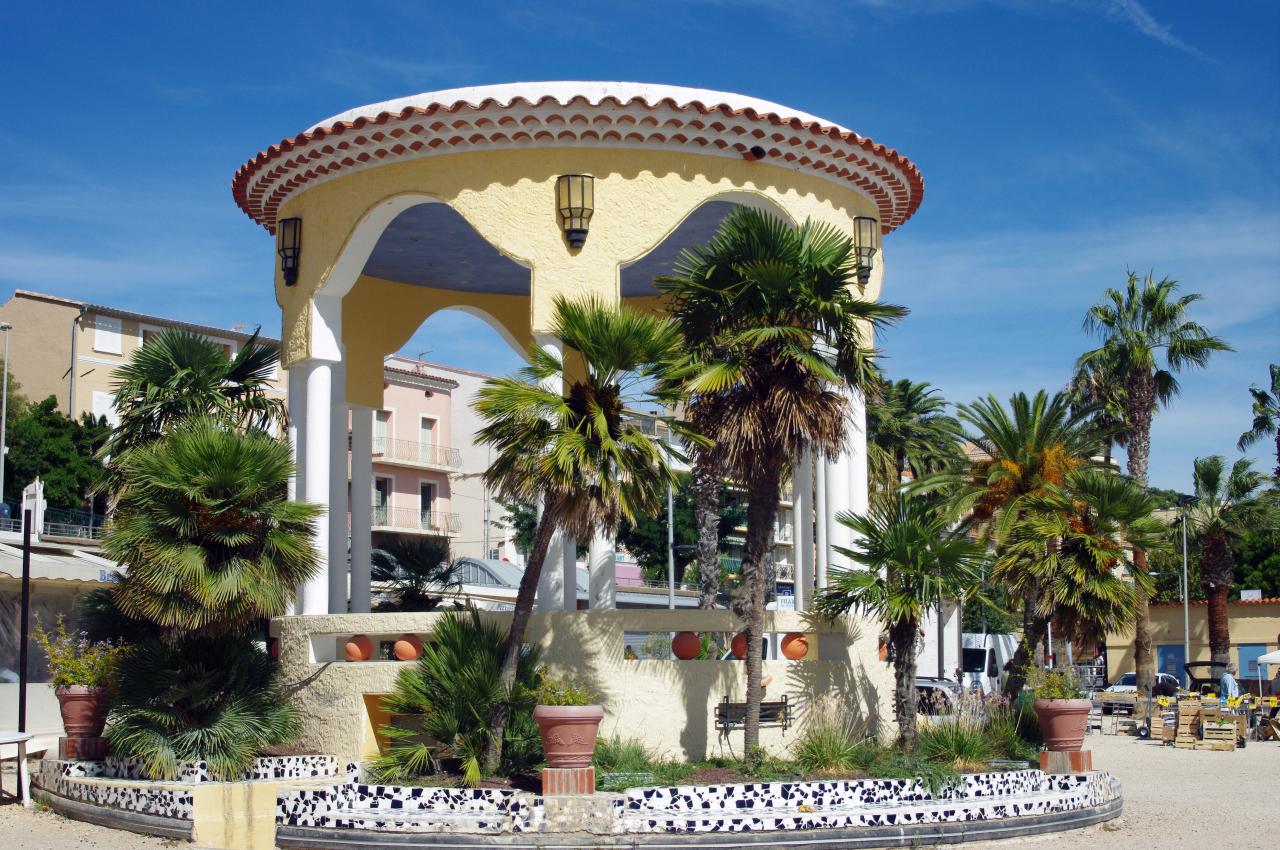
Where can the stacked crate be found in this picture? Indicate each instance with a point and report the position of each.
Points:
(1188, 725)
(1218, 736)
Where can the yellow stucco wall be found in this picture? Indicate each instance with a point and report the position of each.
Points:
(670, 705)
(1250, 623)
(641, 196)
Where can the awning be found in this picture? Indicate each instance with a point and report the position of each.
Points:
(57, 563)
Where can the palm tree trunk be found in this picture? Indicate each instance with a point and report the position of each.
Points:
(903, 636)
(1034, 629)
(1216, 576)
(706, 517)
(762, 507)
(1141, 403)
(525, 598)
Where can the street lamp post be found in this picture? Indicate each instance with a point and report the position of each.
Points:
(4, 409)
(1186, 606)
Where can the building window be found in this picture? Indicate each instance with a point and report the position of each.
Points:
(381, 501)
(381, 430)
(106, 334)
(427, 496)
(104, 405)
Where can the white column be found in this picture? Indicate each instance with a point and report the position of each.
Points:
(339, 529)
(860, 491)
(839, 475)
(551, 591)
(361, 506)
(802, 484)
(314, 429)
(296, 433)
(822, 524)
(569, 575)
(602, 569)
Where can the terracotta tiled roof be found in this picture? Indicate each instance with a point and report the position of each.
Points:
(577, 115)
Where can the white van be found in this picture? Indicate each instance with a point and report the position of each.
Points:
(984, 657)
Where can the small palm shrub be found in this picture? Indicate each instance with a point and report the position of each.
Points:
(207, 530)
(417, 570)
(217, 699)
(441, 705)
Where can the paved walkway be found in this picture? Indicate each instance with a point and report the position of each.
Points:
(1173, 799)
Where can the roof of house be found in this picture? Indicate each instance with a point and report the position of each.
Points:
(108, 310)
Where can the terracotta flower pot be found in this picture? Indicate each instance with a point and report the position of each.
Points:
(739, 645)
(408, 648)
(685, 646)
(568, 733)
(1062, 722)
(84, 709)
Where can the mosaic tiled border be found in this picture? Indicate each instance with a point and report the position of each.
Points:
(390, 808)
(143, 797)
(272, 767)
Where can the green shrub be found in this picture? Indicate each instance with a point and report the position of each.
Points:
(623, 755)
(1062, 683)
(216, 699)
(74, 659)
(556, 691)
(440, 705)
(1005, 731)
(830, 741)
(893, 763)
(956, 742)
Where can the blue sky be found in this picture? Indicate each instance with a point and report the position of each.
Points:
(1062, 142)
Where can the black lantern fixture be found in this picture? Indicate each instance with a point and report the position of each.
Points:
(289, 246)
(575, 199)
(866, 239)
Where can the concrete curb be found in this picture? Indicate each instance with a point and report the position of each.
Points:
(116, 818)
(308, 838)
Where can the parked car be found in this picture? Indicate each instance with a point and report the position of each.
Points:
(936, 696)
(1165, 685)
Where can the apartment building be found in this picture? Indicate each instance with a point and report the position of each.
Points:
(68, 349)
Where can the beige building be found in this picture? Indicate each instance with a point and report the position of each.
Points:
(1255, 630)
(68, 349)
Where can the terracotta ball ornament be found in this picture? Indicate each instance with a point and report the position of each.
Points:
(359, 648)
(739, 645)
(408, 648)
(686, 645)
(795, 645)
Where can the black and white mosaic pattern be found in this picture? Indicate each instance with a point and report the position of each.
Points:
(707, 808)
(274, 767)
(148, 798)
(389, 808)
(865, 803)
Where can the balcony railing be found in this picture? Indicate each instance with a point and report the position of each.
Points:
(413, 520)
(58, 522)
(416, 454)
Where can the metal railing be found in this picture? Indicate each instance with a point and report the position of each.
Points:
(411, 519)
(420, 454)
(58, 522)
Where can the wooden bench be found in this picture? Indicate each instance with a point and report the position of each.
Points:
(772, 713)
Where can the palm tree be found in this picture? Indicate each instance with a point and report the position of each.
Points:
(204, 524)
(1020, 452)
(1066, 552)
(774, 325)
(1096, 387)
(907, 421)
(1266, 416)
(1226, 504)
(706, 519)
(179, 375)
(1141, 326)
(577, 452)
(912, 560)
(419, 571)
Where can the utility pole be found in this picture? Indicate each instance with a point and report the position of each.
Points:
(5, 327)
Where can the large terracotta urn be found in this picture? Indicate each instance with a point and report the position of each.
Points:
(1062, 722)
(686, 646)
(84, 709)
(795, 646)
(739, 645)
(568, 733)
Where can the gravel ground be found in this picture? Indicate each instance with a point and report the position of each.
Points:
(1172, 799)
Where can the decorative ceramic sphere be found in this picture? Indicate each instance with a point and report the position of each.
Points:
(408, 648)
(686, 646)
(359, 648)
(795, 645)
(739, 645)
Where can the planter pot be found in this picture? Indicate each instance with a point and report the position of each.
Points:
(686, 646)
(84, 709)
(568, 733)
(1062, 722)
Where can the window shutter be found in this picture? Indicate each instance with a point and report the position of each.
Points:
(106, 334)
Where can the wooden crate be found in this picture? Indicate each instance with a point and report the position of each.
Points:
(1219, 746)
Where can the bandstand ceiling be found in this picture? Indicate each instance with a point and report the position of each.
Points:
(432, 245)
(697, 229)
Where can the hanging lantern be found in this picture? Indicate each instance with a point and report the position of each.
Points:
(289, 247)
(576, 199)
(866, 240)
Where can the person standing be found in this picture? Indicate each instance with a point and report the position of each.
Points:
(1230, 687)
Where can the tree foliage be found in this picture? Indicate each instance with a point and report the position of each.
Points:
(44, 443)
(645, 537)
(418, 572)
